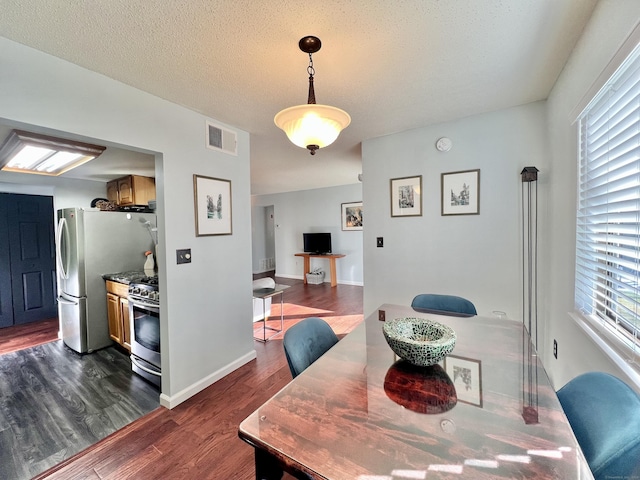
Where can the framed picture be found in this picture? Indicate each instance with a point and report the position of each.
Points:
(466, 374)
(406, 196)
(212, 197)
(352, 216)
(461, 193)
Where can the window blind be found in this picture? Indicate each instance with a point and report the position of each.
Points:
(608, 215)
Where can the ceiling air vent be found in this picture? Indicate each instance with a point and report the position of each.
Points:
(221, 139)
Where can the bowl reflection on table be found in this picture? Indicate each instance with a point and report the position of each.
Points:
(419, 341)
(420, 389)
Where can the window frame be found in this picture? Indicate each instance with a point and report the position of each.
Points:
(603, 312)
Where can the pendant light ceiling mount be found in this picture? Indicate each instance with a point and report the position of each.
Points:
(310, 44)
(312, 126)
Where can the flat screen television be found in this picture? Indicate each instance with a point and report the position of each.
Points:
(318, 243)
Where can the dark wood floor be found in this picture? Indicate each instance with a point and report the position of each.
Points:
(55, 403)
(199, 438)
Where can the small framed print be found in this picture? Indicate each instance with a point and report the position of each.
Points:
(406, 196)
(466, 374)
(461, 192)
(212, 198)
(351, 216)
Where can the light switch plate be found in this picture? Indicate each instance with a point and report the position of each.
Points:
(379, 242)
(183, 256)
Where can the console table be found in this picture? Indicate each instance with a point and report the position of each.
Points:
(332, 264)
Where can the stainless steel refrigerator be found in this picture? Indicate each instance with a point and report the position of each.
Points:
(89, 244)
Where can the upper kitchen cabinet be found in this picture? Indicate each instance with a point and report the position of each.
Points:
(131, 190)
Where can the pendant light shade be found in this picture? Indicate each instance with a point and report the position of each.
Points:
(312, 126)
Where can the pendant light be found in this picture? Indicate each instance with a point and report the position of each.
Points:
(312, 126)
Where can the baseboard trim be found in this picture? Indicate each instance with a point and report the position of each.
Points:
(292, 277)
(175, 400)
(327, 280)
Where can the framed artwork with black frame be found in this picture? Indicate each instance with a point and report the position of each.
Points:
(212, 203)
(461, 192)
(351, 216)
(406, 196)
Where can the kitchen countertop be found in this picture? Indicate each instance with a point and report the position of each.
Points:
(124, 277)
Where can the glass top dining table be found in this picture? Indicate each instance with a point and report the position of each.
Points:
(487, 411)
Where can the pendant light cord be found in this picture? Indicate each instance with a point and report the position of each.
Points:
(311, 71)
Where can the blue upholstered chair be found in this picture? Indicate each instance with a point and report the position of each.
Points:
(445, 304)
(604, 413)
(307, 341)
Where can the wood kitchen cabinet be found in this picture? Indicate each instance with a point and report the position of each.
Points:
(118, 314)
(131, 190)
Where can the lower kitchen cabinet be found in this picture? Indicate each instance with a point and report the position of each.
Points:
(118, 314)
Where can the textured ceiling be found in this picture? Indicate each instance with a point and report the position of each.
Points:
(393, 65)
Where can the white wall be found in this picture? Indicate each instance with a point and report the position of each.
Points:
(66, 192)
(206, 305)
(316, 210)
(611, 23)
(474, 256)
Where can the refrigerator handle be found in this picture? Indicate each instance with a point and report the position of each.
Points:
(61, 299)
(64, 269)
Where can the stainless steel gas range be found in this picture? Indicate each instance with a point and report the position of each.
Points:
(144, 315)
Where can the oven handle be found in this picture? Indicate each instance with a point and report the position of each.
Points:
(142, 367)
(139, 303)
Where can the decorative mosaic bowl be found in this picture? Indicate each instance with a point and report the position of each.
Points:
(419, 341)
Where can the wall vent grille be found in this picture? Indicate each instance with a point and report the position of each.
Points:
(221, 139)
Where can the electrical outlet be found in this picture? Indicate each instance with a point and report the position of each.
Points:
(183, 256)
(381, 315)
(555, 349)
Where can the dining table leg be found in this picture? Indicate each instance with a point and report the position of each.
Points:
(267, 467)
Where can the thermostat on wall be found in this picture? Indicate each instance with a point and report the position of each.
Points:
(444, 144)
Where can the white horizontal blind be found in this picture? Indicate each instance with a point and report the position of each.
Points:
(608, 217)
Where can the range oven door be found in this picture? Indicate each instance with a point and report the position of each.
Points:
(145, 339)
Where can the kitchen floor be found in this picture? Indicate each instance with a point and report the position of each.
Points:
(55, 403)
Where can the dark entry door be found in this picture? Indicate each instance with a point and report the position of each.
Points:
(29, 220)
(6, 294)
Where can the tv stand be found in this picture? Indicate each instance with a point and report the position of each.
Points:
(332, 264)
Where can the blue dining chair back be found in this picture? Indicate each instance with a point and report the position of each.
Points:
(604, 413)
(444, 304)
(307, 341)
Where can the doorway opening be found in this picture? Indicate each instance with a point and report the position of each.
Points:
(263, 243)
